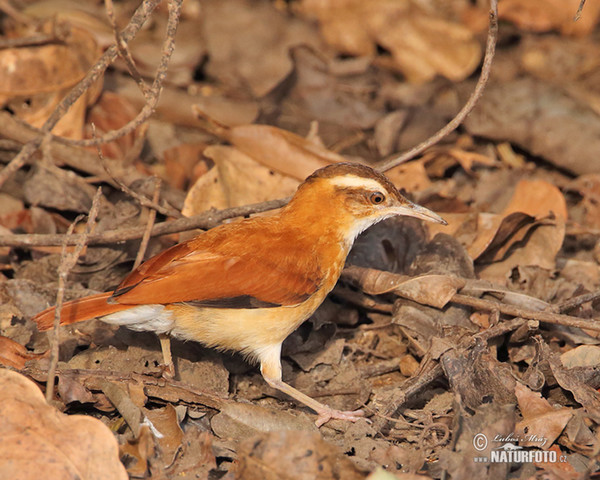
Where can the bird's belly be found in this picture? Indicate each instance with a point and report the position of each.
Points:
(244, 330)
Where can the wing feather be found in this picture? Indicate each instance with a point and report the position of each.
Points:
(227, 262)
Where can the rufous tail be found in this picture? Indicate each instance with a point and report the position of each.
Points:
(79, 310)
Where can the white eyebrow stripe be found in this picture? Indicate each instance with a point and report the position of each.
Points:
(357, 182)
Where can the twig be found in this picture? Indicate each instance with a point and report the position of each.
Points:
(579, 10)
(67, 262)
(205, 220)
(137, 20)
(544, 317)
(575, 302)
(149, 224)
(32, 40)
(124, 52)
(153, 387)
(143, 201)
(471, 102)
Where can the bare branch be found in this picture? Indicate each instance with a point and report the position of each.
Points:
(67, 262)
(205, 220)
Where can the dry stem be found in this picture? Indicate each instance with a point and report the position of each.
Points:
(67, 262)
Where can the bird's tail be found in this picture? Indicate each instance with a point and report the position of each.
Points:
(79, 310)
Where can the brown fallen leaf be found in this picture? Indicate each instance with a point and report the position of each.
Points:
(588, 186)
(433, 290)
(581, 356)
(60, 446)
(140, 450)
(421, 44)
(274, 455)
(34, 79)
(236, 179)
(13, 354)
(546, 15)
(243, 420)
(111, 112)
(541, 424)
(171, 436)
(275, 148)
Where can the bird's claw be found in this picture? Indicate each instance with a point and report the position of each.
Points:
(330, 414)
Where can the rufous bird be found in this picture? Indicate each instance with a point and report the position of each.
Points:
(245, 286)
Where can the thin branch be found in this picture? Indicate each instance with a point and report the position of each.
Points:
(149, 225)
(205, 220)
(576, 302)
(142, 200)
(67, 262)
(32, 40)
(544, 317)
(579, 10)
(124, 52)
(490, 50)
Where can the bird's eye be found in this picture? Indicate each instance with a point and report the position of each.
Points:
(377, 198)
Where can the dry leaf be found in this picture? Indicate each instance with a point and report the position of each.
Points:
(13, 354)
(588, 186)
(541, 424)
(274, 455)
(34, 79)
(60, 446)
(235, 180)
(433, 290)
(276, 149)
(546, 15)
(421, 44)
(581, 356)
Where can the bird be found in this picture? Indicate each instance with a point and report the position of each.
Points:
(245, 286)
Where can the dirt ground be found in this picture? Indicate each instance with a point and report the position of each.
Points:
(473, 348)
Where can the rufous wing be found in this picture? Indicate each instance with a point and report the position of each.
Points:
(223, 266)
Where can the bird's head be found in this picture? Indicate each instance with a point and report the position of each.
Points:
(354, 197)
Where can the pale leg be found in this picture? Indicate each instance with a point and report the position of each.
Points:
(165, 346)
(270, 368)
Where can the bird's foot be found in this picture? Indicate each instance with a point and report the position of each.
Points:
(168, 371)
(327, 414)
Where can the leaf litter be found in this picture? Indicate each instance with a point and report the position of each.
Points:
(486, 328)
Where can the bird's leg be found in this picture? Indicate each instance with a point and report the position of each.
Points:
(165, 346)
(270, 368)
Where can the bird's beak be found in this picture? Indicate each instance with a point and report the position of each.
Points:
(413, 210)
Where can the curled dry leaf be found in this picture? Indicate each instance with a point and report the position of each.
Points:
(34, 79)
(541, 424)
(433, 290)
(13, 354)
(421, 44)
(166, 422)
(544, 239)
(438, 160)
(60, 446)
(243, 420)
(275, 148)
